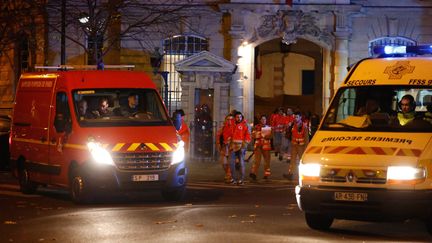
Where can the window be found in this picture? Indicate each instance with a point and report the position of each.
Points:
(62, 120)
(119, 107)
(376, 108)
(177, 48)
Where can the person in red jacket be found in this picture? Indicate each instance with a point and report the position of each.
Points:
(262, 134)
(223, 139)
(241, 137)
(278, 124)
(183, 131)
(299, 141)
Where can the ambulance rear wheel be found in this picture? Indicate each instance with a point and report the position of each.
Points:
(177, 194)
(79, 188)
(318, 221)
(26, 185)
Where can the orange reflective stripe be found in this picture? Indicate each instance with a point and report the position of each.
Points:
(152, 146)
(409, 152)
(333, 150)
(117, 147)
(314, 150)
(356, 150)
(133, 146)
(166, 146)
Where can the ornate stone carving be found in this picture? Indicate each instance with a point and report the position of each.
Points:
(204, 81)
(293, 24)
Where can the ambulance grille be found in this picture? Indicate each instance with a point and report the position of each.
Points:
(143, 161)
(333, 179)
(362, 180)
(368, 180)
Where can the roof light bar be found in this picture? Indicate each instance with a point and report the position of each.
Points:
(83, 67)
(402, 50)
(395, 49)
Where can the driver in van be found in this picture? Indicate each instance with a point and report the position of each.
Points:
(132, 107)
(371, 107)
(103, 110)
(407, 112)
(83, 111)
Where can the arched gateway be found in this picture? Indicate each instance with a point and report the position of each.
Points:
(287, 56)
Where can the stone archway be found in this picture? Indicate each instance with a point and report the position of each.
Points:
(291, 76)
(291, 26)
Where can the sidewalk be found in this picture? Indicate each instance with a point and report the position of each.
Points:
(211, 170)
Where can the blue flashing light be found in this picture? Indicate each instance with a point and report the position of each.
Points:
(402, 50)
(395, 49)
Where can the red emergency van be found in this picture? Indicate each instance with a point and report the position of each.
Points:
(94, 130)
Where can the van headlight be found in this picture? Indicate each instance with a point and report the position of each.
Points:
(99, 154)
(405, 174)
(309, 171)
(179, 154)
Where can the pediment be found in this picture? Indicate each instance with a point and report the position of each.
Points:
(204, 62)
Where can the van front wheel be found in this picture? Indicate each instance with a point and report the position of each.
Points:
(318, 221)
(26, 185)
(79, 188)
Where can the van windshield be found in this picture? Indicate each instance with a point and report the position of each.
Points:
(381, 108)
(119, 107)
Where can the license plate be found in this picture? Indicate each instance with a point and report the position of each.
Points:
(154, 177)
(351, 196)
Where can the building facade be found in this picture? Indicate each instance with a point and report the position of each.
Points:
(253, 55)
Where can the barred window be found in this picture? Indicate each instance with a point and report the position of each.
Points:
(177, 48)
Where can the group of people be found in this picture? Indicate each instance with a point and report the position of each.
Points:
(282, 132)
(283, 122)
(292, 131)
(103, 110)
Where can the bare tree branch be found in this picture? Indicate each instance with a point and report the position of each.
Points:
(139, 20)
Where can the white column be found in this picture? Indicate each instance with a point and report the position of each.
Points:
(342, 35)
(340, 57)
(236, 84)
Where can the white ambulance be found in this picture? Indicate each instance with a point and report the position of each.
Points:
(371, 158)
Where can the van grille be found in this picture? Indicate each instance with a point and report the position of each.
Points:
(143, 161)
(361, 176)
(363, 180)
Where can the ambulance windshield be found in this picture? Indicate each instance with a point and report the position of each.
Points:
(119, 107)
(381, 108)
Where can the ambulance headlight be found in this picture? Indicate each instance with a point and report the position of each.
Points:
(179, 154)
(99, 154)
(404, 173)
(309, 170)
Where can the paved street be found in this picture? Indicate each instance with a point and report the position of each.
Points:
(212, 212)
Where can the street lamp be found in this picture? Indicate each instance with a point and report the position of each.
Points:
(156, 59)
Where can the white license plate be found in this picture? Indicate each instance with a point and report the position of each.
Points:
(154, 177)
(351, 196)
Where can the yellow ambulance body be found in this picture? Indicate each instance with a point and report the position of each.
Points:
(364, 163)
